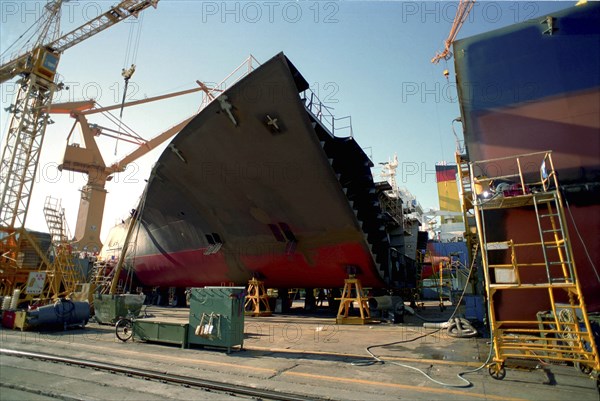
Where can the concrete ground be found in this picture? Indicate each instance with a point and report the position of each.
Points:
(312, 356)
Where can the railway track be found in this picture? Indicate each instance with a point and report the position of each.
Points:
(163, 377)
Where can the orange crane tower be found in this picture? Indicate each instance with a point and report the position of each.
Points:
(29, 116)
(87, 159)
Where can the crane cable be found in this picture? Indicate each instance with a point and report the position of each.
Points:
(462, 11)
(21, 37)
(133, 44)
(39, 25)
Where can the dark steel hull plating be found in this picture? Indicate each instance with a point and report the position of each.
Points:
(291, 204)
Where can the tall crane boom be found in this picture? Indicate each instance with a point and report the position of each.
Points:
(48, 28)
(25, 136)
(462, 11)
(29, 117)
(123, 10)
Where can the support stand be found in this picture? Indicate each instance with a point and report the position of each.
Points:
(257, 297)
(347, 300)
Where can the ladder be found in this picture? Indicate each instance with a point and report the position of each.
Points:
(553, 239)
(541, 267)
(101, 276)
(63, 276)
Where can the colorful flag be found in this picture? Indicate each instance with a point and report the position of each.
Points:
(447, 188)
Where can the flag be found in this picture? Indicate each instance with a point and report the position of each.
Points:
(447, 188)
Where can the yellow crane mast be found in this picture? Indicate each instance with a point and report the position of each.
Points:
(37, 67)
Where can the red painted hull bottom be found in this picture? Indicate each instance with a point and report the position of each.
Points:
(321, 267)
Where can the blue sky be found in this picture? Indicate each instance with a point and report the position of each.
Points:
(366, 59)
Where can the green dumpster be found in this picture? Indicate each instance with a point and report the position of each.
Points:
(110, 308)
(217, 317)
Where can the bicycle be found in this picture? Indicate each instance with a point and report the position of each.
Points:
(124, 329)
(124, 325)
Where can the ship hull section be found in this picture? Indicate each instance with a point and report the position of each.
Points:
(526, 89)
(248, 190)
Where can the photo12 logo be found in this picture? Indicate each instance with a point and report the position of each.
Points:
(426, 92)
(489, 12)
(420, 171)
(72, 91)
(28, 12)
(483, 93)
(53, 173)
(253, 12)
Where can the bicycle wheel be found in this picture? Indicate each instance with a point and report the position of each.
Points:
(124, 329)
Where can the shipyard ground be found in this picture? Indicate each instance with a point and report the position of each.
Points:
(304, 354)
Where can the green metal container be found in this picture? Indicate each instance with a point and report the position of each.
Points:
(161, 331)
(110, 308)
(217, 317)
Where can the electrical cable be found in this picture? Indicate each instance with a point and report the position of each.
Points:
(467, 383)
(459, 149)
(491, 348)
(585, 249)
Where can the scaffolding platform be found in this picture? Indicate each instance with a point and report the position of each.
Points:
(543, 265)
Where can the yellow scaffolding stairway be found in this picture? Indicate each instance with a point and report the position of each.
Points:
(101, 276)
(62, 276)
(544, 264)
